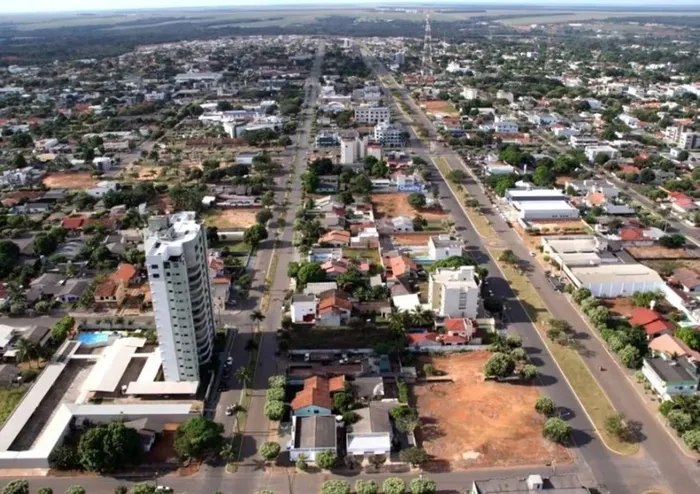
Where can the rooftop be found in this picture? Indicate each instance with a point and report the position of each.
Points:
(562, 484)
(673, 371)
(315, 432)
(616, 273)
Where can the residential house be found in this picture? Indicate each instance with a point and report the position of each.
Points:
(335, 238)
(312, 435)
(380, 308)
(426, 340)
(316, 396)
(634, 236)
(401, 224)
(319, 287)
(454, 292)
(71, 290)
(220, 292)
(460, 331)
(651, 321)
(681, 203)
(400, 266)
(102, 188)
(372, 433)
(334, 308)
(109, 293)
(443, 246)
(303, 308)
(670, 376)
(74, 224)
(687, 279)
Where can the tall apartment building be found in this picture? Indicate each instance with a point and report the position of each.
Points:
(454, 292)
(682, 138)
(176, 256)
(371, 114)
(352, 148)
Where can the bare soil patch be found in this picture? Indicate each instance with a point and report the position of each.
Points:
(232, 218)
(412, 239)
(396, 204)
(440, 107)
(472, 423)
(658, 252)
(81, 180)
(619, 307)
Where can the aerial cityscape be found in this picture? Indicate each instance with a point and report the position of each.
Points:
(404, 248)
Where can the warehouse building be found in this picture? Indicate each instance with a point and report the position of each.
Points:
(615, 280)
(541, 204)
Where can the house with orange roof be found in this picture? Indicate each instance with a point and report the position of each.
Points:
(335, 238)
(125, 274)
(334, 308)
(316, 398)
(73, 224)
(651, 321)
(109, 293)
(399, 266)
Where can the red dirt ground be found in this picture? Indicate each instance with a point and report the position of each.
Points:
(82, 180)
(472, 423)
(396, 204)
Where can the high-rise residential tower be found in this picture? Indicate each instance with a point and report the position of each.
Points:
(176, 257)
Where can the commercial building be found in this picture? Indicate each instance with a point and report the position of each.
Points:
(178, 274)
(541, 204)
(593, 151)
(389, 135)
(616, 280)
(366, 114)
(582, 142)
(454, 292)
(564, 484)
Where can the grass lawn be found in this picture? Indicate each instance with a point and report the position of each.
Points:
(371, 254)
(582, 381)
(9, 399)
(237, 247)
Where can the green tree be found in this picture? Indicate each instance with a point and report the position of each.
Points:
(416, 200)
(680, 421)
(244, 376)
(76, 489)
(689, 336)
(45, 490)
(499, 365)
(268, 199)
(556, 430)
(528, 372)
(423, 486)
(630, 356)
(108, 447)
(545, 406)
(674, 241)
(310, 181)
(270, 450)
(143, 488)
(615, 425)
(17, 486)
(198, 437)
(394, 485)
(456, 176)
(581, 294)
(366, 487)
(274, 410)
(44, 244)
(508, 257)
(360, 185)
(263, 216)
(414, 456)
(335, 487)
(254, 235)
(9, 255)
(302, 463)
(692, 439)
(326, 459)
(310, 272)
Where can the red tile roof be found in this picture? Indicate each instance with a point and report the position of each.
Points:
(334, 299)
(642, 316)
(107, 288)
(401, 265)
(658, 326)
(419, 337)
(595, 198)
(73, 223)
(317, 391)
(124, 273)
(455, 325)
(631, 233)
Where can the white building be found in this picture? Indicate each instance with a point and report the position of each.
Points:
(582, 142)
(375, 150)
(303, 308)
(178, 274)
(616, 280)
(352, 148)
(443, 246)
(505, 125)
(470, 93)
(593, 151)
(454, 292)
(366, 114)
(389, 135)
(506, 95)
(102, 188)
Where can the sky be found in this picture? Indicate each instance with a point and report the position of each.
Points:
(43, 6)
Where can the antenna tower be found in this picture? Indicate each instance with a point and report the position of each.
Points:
(427, 68)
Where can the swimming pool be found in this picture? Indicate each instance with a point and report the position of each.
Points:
(93, 338)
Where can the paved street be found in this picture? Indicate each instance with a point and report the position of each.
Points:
(658, 465)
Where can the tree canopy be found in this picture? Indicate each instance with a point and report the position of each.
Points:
(106, 448)
(198, 437)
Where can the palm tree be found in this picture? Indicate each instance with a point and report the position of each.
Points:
(27, 350)
(396, 322)
(421, 317)
(257, 317)
(244, 375)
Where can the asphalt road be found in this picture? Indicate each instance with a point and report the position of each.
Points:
(660, 463)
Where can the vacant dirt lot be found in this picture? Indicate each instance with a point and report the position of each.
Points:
(70, 181)
(472, 423)
(396, 204)
(658, 252)
(412, 239)
(232, 218)
(440, 107)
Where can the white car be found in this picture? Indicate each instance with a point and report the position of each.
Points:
(229, 361)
